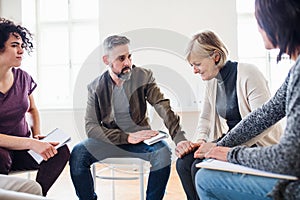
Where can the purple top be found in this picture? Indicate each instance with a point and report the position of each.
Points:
(15, 103)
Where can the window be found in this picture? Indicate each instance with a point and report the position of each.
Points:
(251, 47)
(67, 32)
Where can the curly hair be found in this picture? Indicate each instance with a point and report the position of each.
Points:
(8, 27)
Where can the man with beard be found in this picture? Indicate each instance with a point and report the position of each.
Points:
(116, 122)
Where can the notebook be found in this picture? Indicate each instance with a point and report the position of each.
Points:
(57, 135)
(160, 136)
(230, 167)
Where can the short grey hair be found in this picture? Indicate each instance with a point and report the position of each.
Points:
(114, 41)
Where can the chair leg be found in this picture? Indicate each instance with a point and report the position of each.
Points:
(141, 171)
(94, 175)
(113, 183)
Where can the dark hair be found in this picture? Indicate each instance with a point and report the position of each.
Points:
(280, 19)
(8, 27)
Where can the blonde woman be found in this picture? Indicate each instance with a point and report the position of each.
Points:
(232, 91)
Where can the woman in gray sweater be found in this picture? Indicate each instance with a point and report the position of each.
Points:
(279, 25)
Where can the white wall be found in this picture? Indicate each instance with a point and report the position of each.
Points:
(135, 18)
(11, 9)
(184, 17)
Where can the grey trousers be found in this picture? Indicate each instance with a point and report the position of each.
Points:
(15, 188)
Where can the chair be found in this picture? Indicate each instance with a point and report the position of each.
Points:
(136, 165)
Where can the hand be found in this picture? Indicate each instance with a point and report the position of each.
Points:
(185, 147)
(203, 149)
(39, 137)
(45, 149)
(140, 136)
(219, 153)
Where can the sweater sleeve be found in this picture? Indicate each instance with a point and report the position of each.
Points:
(204, 122)
(252, 88)
(283, 157)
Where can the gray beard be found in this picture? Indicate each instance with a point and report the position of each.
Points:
(125, 77)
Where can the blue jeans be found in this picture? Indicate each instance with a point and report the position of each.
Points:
(90, 151)
(211, 184)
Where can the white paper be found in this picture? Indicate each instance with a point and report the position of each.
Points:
(160, 136)
(57, 135)
(230, 167)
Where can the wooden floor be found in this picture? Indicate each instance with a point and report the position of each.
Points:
(124, 189)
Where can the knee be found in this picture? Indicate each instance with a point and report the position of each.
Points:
(64, 153)
(163, 151)
(6, 162)
(74, 157)
(203, 178)
(80, 158)
(161, 155)
(185, 164)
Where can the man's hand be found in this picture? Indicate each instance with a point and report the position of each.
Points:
(185, 147)
(140, 136)
(203, 149)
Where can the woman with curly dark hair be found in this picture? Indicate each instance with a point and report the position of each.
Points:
(16, 100)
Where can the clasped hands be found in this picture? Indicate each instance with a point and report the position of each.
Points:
(204, 150)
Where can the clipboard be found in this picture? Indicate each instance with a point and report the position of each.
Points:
(57, 135)
(235, 168)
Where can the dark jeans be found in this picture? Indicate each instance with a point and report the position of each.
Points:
(48, 171)
(186, 170)
(90, 151)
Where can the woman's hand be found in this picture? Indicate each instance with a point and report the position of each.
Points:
(185, 147)
(45, 149)
(219, 153)
(203, 149)
(39, 137)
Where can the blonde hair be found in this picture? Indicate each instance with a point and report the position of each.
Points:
(205, 44)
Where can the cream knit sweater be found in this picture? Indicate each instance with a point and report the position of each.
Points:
(252, 91)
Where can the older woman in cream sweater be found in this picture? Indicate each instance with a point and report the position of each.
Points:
(232, 91)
